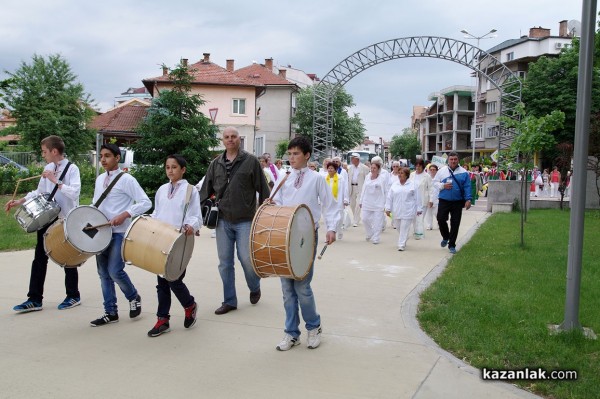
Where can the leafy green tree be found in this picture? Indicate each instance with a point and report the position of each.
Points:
(407, 145)
(348, 131)
(173, 125)
(281, 148)
(551, 84)
(534, 134)
(46, 99)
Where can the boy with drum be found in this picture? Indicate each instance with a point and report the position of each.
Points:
(304, 186)
(125, 200)
(172, 205)
(67, 197)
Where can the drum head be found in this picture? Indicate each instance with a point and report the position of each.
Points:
(90, 241)
(301, 242)
(179, 257)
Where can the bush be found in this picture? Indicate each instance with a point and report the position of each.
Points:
(9, 176)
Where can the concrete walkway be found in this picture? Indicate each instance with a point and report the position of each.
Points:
(366, 295)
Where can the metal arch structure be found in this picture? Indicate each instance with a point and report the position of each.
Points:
(457, 51)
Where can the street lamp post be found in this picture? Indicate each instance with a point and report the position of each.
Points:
(468, 35)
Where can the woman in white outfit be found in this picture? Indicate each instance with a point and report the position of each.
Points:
(401, 203)
(372, 202)
(431, 211)
(424, 185)
(339, 189)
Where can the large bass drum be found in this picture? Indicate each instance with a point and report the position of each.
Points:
(157, 247)
(282, 241)
(72, 241)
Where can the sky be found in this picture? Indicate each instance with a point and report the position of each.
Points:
(112, 45)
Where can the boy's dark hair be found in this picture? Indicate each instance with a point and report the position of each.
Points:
(302, 143)
(116, 151)
(453, 154)
(421, 162)
(54, 142)
(179, 159)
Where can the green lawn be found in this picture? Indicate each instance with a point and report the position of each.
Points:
(492, 304)
(12, 236)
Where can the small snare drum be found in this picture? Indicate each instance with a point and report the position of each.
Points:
(37, 213)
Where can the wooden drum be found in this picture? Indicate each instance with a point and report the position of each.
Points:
(157, 247)
(282, 241)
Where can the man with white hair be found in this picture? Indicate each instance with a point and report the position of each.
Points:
(357, 172)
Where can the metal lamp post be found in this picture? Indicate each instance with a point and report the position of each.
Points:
(468, 35)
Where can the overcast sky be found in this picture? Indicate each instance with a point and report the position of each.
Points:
(113, 45)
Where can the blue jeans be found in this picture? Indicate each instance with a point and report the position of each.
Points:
(111, 270)
(300, 293)
(228, 236)
(164, 288)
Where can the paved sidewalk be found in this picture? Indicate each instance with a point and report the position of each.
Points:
(366, 295)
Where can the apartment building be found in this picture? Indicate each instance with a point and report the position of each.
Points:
(516, 54)
(446, 124)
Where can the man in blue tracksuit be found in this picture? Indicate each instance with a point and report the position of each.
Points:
(454, 185)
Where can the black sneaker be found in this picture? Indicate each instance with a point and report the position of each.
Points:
(161, 326)
(135, 307)
(190, 316)
(107, 318)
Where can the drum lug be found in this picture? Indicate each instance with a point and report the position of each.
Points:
(164, 253)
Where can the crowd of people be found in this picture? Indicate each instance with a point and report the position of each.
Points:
(338, 195)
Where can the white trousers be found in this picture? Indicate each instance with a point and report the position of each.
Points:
(403, 226)
(553, 189)
(373, 224)
(354, 204)
(431, 217)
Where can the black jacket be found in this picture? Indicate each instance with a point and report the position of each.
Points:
(237, 200)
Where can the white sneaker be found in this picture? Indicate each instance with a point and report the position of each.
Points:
(213, 234)
(401, 248)
(314, 338)
(340, 236)
(288, 342)
(355, 225)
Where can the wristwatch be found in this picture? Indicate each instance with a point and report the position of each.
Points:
(59, 182)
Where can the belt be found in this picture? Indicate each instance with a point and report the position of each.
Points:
(355, 184)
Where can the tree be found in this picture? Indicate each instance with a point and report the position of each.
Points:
(407, 145)
(173, 125)
(281, 148)
(533, 134)
(46, 99)
(551, 84)
(348, 131)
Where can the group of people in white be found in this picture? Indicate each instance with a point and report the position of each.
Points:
(373, 194)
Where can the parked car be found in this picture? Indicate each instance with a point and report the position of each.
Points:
(7, 161)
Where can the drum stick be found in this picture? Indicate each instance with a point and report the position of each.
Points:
(19, 182)
(322, 252)
(95, 227)
(278, 187)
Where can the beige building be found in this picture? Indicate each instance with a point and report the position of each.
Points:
(230, 100)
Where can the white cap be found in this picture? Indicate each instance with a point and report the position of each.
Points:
(355, 154)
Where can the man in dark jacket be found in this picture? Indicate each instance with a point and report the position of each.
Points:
(235, 178)
(454, 186)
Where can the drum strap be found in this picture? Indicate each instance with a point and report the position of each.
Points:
(62, 176)
(188, 196)
(107, 190)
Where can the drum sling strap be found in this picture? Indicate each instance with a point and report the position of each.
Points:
(62, 176)
(88, 229)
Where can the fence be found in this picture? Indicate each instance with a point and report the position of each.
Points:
(22, 158)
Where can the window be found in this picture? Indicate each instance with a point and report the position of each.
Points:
(490, 108)
(259, 145)
(478, 132)
(510, 56)
(239, 106)
(521, 74)
(243, 142)
(492, 131)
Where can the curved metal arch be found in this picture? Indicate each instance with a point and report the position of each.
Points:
(453, 50)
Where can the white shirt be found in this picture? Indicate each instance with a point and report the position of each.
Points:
(314, 189)
(275, 177)
(402, 200)
(342, 190)
(67, 196)
(372, 197)
(170, 210)
(126, 195)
